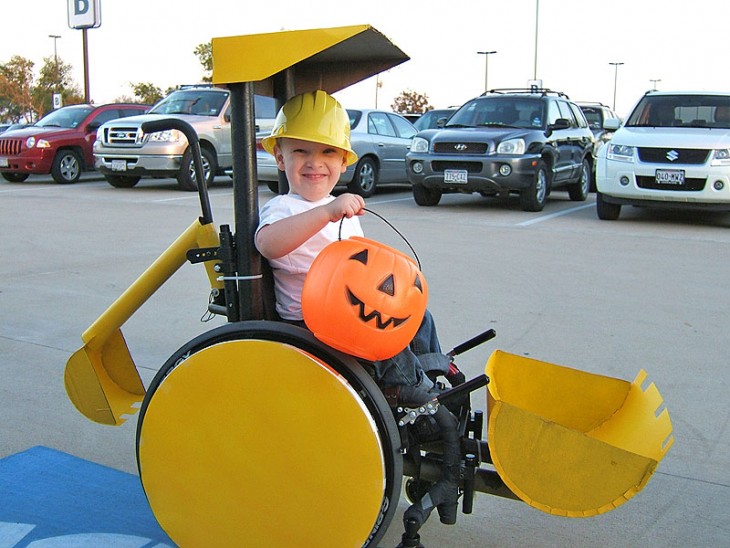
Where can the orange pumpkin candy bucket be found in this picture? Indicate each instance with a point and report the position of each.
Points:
(364, 298)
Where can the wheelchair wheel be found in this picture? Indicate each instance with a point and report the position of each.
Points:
(257, 434)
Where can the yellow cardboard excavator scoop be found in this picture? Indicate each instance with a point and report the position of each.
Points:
(572, 443)
(101, 377)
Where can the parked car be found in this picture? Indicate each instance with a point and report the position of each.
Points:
(433, 118)
(60, 143)
(505, 141)
(381, 140)
(125, 154)
(597, 114)
(672, 152)
(17, 126)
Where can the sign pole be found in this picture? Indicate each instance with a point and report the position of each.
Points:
(87, 94)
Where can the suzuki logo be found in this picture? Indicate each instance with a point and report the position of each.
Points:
(460, 147)
(672, 155)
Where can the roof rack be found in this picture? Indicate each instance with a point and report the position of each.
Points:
(591, 104)
(531, 90)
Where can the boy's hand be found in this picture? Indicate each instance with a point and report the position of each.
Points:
(345, 205)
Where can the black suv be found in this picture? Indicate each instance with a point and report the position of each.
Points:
(525, 141)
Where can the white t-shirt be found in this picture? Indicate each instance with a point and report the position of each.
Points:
(290, 270)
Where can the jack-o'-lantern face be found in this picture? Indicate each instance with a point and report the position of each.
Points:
(364, 298)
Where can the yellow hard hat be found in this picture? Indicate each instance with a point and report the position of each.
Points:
(313, 116)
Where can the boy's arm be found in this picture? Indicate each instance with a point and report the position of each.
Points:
(285, 235)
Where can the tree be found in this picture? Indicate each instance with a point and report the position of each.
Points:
(55, 79)
(16, 83)
(204, 53)
(146, 93)
(411, 102)
(24, 98)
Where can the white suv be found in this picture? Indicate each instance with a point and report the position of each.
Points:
(673, 151)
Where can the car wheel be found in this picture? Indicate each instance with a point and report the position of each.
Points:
(534, 197)
(66, 167)
(273, 186)
(578, 192)
(122, 181)
(186, 177)
(365, 178)
(15, 177)
(426, 196)
(605, 210)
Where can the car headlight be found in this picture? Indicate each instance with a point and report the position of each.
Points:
(622, 153)
(167, 136)
(721, 157)
(30, 142)
(419, 144)
(511, 146)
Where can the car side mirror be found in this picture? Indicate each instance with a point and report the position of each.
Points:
(227, 117)
(611, 124)
(560, 123)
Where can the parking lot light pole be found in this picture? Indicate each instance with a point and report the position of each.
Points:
(615, 82)
(654, 81)
(486, 67)
(55, 55)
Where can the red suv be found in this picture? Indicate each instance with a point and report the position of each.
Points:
(60, 143)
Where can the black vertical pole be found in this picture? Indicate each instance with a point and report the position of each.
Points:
(284, 90)
(85, 40)
(245, 201)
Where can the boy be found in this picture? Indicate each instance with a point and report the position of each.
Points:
(311, 143)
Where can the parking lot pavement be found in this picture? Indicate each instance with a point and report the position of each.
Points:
(648, 291)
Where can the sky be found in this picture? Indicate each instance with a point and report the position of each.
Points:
(683, 45)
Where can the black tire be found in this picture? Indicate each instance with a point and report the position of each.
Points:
(578, 192)
(14, 177)
(606, 211)
(361, 382)
(186, 177)
(67, 167)
(427, 197)
(416, 489)
(273, 186)
(534, 198)
(122, 181)
(365, 179)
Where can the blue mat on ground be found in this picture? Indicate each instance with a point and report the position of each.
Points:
(49, 499)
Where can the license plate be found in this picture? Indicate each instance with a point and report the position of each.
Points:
(3, 162)
(455, 176)
(670, 176)
(119, 165)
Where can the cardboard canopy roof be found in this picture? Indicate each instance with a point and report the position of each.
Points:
(330, 59)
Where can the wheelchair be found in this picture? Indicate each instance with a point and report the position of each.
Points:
(256, 433)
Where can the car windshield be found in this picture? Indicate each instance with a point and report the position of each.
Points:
(65, 117)
(199, 102)
(499, 112)
(698, 111)
(593, 116)
(354, 116)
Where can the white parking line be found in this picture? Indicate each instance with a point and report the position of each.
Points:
(556, 214)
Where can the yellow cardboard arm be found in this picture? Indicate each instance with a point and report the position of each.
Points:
(101, 378)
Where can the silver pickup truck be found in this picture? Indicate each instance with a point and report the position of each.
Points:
(124, 154)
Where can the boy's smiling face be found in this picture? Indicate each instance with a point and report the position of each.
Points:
(312, 169)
